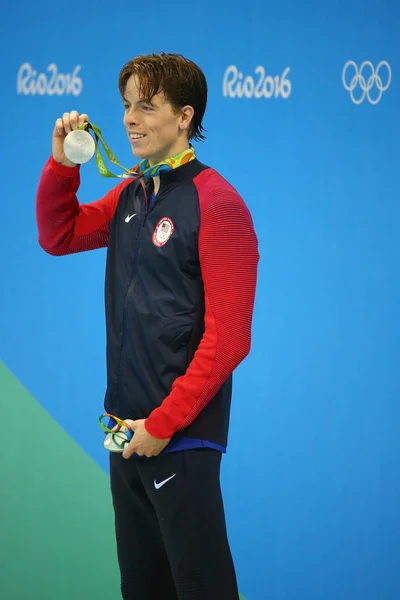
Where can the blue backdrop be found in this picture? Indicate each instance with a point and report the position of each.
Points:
(308, 132)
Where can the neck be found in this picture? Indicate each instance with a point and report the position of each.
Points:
(177, 149)
(156, 182)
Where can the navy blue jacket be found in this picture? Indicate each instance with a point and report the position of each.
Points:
(179, 290)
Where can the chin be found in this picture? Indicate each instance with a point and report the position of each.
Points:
(138, 153)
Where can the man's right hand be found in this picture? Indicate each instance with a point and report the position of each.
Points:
(63, 126)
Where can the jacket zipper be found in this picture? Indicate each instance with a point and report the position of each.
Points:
(128, 293)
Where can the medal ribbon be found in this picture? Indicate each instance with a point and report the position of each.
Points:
(119, 439)
(142, 169)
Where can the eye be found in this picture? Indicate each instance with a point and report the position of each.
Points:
(126, 106)
(147, 107)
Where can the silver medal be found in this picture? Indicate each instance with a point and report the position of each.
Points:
(116, 442)
(79, 146)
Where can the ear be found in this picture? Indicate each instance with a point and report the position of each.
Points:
(186, 116)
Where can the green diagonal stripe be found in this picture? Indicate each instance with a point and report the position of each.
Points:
(56, 524)
(56, 519)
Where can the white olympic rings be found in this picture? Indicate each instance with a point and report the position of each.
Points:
(366, 86)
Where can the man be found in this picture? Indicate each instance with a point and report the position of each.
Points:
(180, 284)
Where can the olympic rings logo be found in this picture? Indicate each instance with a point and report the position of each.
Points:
(367, 83)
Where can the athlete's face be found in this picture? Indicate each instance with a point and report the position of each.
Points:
(155, 131)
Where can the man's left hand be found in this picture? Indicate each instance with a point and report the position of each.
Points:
(142, 442)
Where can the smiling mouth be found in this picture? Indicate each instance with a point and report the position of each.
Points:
(136, 136)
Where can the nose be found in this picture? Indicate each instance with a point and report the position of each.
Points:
(131, 117)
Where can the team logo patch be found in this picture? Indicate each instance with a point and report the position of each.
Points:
(163, 231)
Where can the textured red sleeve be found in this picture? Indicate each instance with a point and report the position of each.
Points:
(64, 225)
(228, 252)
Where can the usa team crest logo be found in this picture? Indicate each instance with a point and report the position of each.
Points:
(163, 231)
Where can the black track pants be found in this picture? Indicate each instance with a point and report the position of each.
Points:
(170, 527)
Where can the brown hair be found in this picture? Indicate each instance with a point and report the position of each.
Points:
(180, 79)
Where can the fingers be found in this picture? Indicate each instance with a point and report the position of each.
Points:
(83, 119)
(60, 127)
(135, 448)
(129, 450)
(131, 424)
(70, 121)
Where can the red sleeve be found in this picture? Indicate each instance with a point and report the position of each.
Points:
(64, 225)
(228, 253)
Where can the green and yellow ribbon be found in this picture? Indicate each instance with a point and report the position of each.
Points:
(142, 169)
